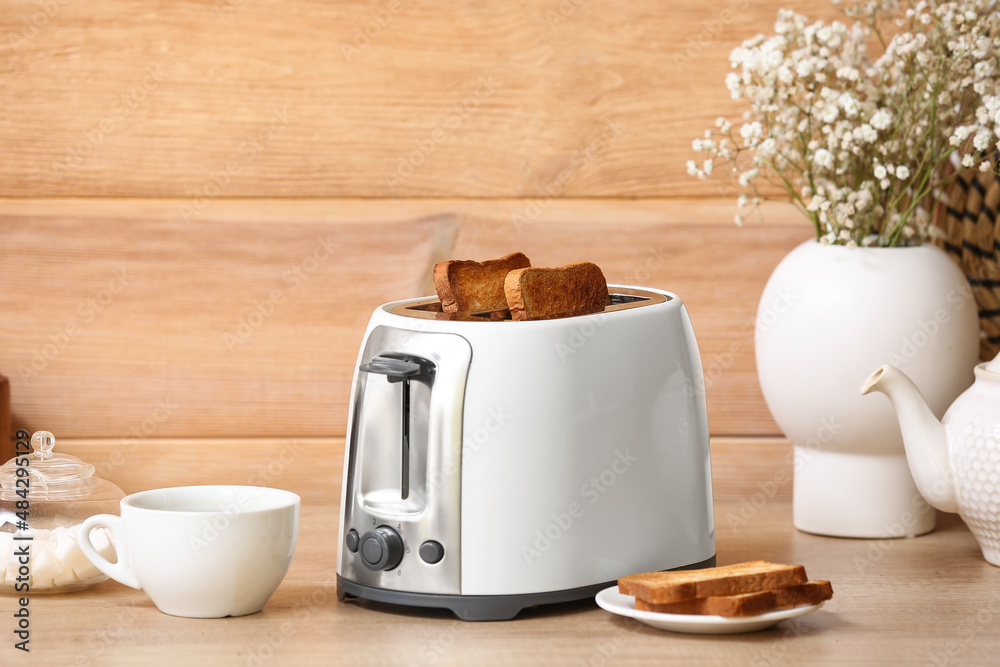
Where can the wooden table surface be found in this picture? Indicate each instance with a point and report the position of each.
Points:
(931, 600)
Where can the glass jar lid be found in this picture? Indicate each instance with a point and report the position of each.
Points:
(46, 471)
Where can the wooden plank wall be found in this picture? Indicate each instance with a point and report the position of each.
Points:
(202, 201)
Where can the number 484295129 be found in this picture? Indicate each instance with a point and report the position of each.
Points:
(23, 486)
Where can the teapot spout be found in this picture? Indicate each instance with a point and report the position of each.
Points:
(924, 437)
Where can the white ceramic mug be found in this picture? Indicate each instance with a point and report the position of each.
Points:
(201, 551)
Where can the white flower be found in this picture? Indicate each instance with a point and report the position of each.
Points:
(880, 171)
(752, 130)
(768, 148)
(823, 158)
(866, 133)
(960, 134)
(830, 113)
(734, 84)
(881, 120)
(848, 73)
(902, 172)
(848, 104)
(982, 139)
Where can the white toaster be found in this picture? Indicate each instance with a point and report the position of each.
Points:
(493, 465)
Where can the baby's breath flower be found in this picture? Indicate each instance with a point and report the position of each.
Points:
(881, 120)
(858, 139)
(823, 158)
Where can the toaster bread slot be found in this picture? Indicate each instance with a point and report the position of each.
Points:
(620, 297)
(401, 369)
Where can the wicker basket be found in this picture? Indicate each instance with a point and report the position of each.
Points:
(972, 238)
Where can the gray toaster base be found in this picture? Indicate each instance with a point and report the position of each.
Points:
(481, 607)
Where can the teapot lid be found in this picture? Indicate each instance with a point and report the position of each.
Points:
(45, 470)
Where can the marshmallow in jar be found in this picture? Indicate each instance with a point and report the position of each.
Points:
(44, 496)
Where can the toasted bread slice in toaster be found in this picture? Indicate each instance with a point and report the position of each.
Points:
(681, 585)
(746, 604)
(465, 286)
(540, 293)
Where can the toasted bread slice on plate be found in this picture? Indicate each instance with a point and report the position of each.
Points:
(680, 585)
(746, 604)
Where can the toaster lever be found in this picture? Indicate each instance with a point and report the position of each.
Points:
(399, 370)
(395, 370)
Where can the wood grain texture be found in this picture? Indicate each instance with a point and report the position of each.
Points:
(926, 600)
(366, 98)
(121, 320)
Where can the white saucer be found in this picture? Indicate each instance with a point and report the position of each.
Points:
(624, 605)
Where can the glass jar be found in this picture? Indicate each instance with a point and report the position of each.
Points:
(44, 497)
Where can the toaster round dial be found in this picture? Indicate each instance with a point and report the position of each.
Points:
(381, 549)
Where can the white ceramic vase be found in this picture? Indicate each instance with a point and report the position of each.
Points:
(830, 314)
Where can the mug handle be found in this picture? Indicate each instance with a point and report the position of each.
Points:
(120, 571)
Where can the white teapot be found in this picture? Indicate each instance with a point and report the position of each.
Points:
(955, 462)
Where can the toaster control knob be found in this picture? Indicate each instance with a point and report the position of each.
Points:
(381, 549)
